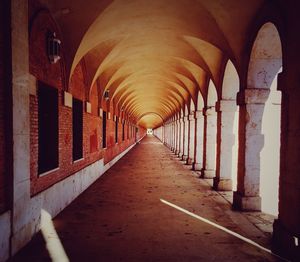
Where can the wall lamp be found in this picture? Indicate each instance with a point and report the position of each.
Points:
(53, 46)
(106, 95)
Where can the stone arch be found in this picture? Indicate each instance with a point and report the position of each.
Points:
(231, 81)
(264, 65)
(265, 59)
(200, 101)
(227, 129)
(210, 133)
(212, 96)
(192, 106)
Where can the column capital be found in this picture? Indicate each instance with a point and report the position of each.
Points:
(185, 118)
(253, 96)
(198, 114)
(209, 111)
(191, 117)
(226, 106)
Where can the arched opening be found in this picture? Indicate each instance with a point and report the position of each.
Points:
(191, 138)
(265, 64)
(210, 127)
(270, 154)
(227, 134)
(199, 137)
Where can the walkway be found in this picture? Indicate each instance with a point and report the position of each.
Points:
(136, 212)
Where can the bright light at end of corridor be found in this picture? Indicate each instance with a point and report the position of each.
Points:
(249, 241)
(53, 243)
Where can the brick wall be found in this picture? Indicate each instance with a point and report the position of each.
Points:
(53, 74)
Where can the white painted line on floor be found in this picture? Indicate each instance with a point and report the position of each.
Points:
(53, 243)
(247, 240)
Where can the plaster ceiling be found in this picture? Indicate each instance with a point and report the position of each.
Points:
(154, 56)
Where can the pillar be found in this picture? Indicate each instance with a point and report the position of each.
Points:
(185, 138)
(177, 136)
(251, 142)
(198, 152)
(225, 141)
(191, 139)
(173, 136)
(210, 118)
(286, 229)
(21, 226)
(180, 155)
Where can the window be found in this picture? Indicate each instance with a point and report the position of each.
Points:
(104, 130)
(77, 129)
(116, 129)
(47, 128)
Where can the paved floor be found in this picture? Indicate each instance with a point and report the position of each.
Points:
(148, 207)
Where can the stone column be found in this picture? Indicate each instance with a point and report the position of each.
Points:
(21, 224)
(191, 144)
(185, 138)
(198, 153)
(165, 133)
(171, 135)
(286, 229)
(177, 136)
(180, 155)
(168, 135)
(225, 141)
(174, 136)
(210, 118)
(251, 142)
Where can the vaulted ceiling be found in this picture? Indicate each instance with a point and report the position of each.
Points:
(154, 56)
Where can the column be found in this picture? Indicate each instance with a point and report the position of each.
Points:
(198, 153)
(180, 155)
(185, 138)
(286, 229)
(174, 136)
(210, 118)
(177, 136)
(21, 226)
(251, 142)
(225, 141)
(191, 144)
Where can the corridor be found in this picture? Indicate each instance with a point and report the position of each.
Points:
(129, 214)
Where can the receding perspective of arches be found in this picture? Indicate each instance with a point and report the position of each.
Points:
(179, 120)
(259, 178)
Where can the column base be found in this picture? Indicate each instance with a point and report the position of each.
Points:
(246, 203)
(208, 173)
(284, 243)
(189, 161)
(222, 184)
(176, 152)
(180, 155)
(197, 167)
(184, 157)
